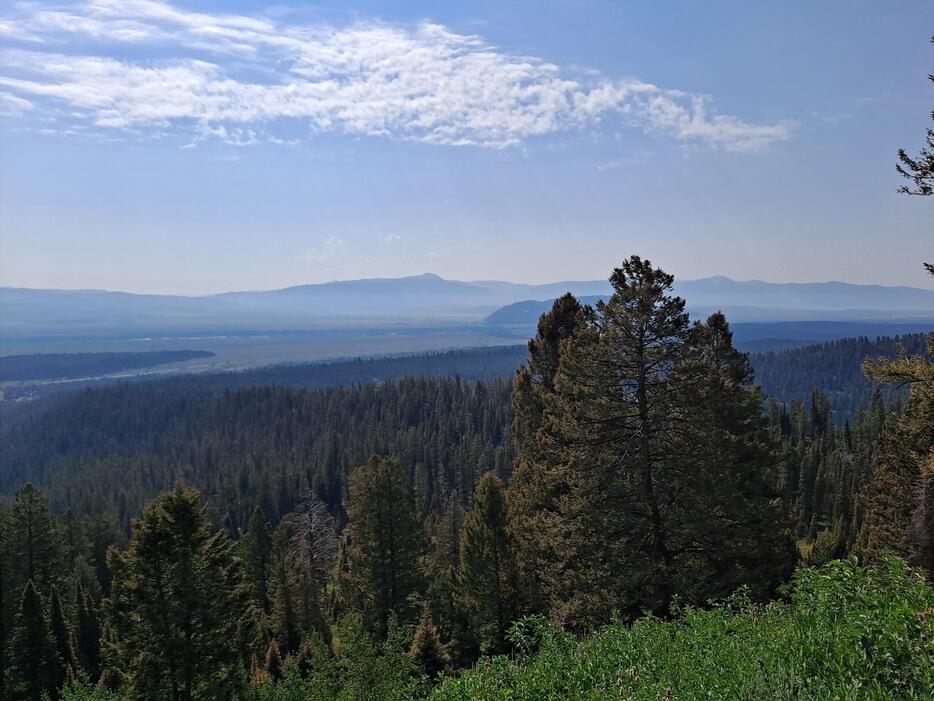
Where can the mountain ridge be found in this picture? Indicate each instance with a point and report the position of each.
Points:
(428, 297)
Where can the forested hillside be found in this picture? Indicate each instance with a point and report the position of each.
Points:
(53, 366)
(109, 451)
(834, 368)
(356, 542)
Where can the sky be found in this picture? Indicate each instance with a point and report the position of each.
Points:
(198, 147)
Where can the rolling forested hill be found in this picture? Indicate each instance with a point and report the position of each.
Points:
(352, 526)
(286, 430)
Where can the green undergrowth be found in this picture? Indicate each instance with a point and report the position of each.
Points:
(841, 632)
(845, 632)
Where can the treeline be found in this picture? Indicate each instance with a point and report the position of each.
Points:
(55, 366)
(467, 364)
(638, 471)
(834, 368)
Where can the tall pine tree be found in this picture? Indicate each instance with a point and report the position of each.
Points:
(35, 668)
(173, 614)
(488, 575)
(386, 540)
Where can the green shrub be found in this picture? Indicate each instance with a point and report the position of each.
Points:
(845, 632)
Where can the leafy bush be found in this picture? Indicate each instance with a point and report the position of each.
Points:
(845, 632)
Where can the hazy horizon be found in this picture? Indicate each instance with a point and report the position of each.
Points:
(479, 281)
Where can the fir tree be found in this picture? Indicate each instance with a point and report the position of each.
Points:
(427, 650)
(87, 635)
(487, 576)
(899, 498)
(615, 402)
(538, 479)
(173, 615)
(6, 597)
(255, 548)
(62, 637)
(35, 548)
(386, 541)
(273, 664)
(666, 459)
(35, 668)
(720, 475)
(283, 580)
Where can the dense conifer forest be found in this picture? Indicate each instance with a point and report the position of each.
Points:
(563, 533)
(53, 366)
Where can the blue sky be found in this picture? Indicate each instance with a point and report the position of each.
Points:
(199, 147)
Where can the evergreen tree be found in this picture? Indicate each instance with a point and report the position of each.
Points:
(35, 668)
(666, 458)
(426, 649)
(255, 548)
(538, 480)
(6, 596)
(35, 548)
(285, 623)
(273, 665)
(615, 408)
(719, 475)
(899, 499)
(919, 170)
(488, 576)
(441, 565)
(87, 635)
(62, 637)
(173, 614)
(386, 541)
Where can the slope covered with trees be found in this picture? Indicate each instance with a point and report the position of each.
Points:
(53, 366)
(357, 542)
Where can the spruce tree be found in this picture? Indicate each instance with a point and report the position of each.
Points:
(255, 549)
(441, 593)
(285, 624)
(87, 635)
(174, 612)
(386, 540)
(488, 583)
(35, 668)
(62, 637)
(899, 499)
(273, 664)
(35, 548)
(6, 595)
(538, 479)
(426, 650)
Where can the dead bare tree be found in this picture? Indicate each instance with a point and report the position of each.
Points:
(315, 541)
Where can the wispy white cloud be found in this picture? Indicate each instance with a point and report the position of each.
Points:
(391, 238)
(327, 252)
(240, 78)
(13, 106)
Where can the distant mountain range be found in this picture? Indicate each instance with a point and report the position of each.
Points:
(26, 313)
